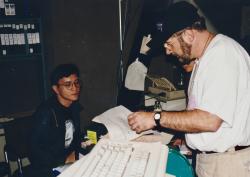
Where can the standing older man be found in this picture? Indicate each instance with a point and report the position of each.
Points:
(217, 120)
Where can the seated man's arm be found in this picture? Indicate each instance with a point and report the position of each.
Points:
(42, 146)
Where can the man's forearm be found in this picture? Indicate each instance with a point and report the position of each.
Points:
(191, 121)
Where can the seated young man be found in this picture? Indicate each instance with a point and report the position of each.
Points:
(56, 131)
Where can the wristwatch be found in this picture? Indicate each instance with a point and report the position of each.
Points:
(157, 118)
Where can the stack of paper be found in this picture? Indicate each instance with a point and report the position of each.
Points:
(116, 121)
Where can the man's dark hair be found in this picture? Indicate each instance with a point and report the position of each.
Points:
(63, 70)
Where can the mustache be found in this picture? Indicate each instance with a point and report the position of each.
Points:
(185, 61)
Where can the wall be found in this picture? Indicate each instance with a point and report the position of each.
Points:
(225, 16)
(86, 33)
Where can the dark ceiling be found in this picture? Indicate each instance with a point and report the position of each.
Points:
(225, 15)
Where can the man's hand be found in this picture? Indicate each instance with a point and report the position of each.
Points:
(71, 158)
(141, 121)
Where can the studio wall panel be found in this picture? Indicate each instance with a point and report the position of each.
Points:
(86, 33)
(21, 89)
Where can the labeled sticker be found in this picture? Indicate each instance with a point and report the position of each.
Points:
(92, 136)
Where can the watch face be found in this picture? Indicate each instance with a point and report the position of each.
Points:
(157, 116)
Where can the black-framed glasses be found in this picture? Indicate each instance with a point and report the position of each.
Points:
(69, 85)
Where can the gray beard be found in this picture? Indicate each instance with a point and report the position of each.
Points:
(186, 49)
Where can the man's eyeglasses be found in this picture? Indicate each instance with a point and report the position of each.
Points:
(69, 85)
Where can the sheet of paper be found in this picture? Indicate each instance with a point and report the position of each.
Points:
(115, 120)
(162, 137)
(135, 77)
(144, 48)
(1, 3)
(2, 39)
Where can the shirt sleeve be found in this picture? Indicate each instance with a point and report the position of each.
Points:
(41, 153)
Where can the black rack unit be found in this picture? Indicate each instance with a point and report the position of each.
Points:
(22, 66)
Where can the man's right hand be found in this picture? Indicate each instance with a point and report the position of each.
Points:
(71, 158)
(141, 121)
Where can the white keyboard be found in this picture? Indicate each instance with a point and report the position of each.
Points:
(120, 159)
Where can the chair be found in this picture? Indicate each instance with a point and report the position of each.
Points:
(17, 133)
(178, 165)
(4, 169)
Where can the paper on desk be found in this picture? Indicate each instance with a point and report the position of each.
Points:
(116, 121)
(162, 137)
